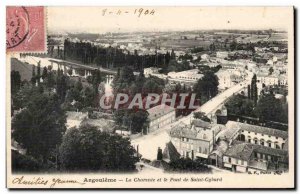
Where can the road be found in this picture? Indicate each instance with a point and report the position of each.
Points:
(148, 144)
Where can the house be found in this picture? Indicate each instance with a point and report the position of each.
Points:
(237, 157)
(151, 70)
(245, 157)
(195, 141)
(227, 79)
(160, 116)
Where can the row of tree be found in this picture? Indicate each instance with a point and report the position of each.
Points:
(268, 108)
(111, 57)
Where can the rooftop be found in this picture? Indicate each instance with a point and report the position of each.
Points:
(201, 123)
(258, 129)
(241, 151)
(159, 110)
(170, 153)
(187, 131)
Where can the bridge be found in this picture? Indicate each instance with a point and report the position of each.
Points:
(88, 67)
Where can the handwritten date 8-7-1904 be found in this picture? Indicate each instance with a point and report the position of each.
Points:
(138, 12)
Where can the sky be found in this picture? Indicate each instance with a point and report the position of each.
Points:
(92, 20)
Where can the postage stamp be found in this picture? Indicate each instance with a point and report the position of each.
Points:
(25, 29)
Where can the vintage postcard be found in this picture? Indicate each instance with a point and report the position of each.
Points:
(150, 97)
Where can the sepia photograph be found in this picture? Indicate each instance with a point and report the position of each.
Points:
(150, 97)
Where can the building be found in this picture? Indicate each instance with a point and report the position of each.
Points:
(74, 119)
(252, 147)
(185, 77)
(195, 141)
(245, 157)
(259, 135)
(227, 79)
(153, 71)
(268, 80)
(222, 54)
(237, 157)
(160, 116)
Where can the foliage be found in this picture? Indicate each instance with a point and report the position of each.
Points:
(188, 165)
(197, 50)
(96, 80)
(207, 87)
(202, 116)
(15, 78)
(135, 121)
(24, 163)
(271, 109)
(111, 57)
(253, 90)
(175, 66)
(271, 70)
(61, 85)
(40, 125)
(240, 105)
(268, 108)
(88, 149)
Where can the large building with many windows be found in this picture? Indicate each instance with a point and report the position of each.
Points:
(185, 77)
(254, 147)
(259, 135)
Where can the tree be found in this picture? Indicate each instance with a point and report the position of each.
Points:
(202, 116)
(240, 105)
(61, 85)
(33, 77)
(39, 127)
(23, 163)
(187, 165)
(254, 95)
(249, 91)
(15, 78)
(89, 97)
(39, 70)
(271, 109)
(271, 70)
(96, 80)
(50, 80)
(135, 121)
(45, 73)
(153, 85)
(88, 149)
(159, 156)
(212, 47)
(207, 87)
(173, 55)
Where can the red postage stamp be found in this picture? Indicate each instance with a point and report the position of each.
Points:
(25, 29)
